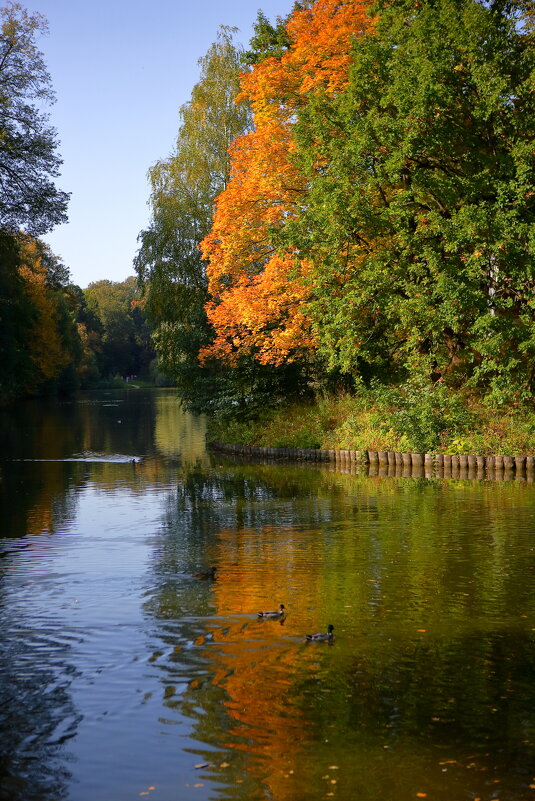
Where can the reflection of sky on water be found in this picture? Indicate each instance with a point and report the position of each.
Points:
(129, 672)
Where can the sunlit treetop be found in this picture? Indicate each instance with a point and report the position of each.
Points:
(311, 54)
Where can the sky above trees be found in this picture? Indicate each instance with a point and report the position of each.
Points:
(120, 72)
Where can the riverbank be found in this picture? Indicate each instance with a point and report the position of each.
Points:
(387, 420)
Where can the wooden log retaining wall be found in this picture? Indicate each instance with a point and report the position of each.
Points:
(393, 463)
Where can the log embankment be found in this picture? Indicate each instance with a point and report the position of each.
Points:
(440, 465)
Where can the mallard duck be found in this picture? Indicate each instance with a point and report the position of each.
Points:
(279, 613)
(209, 574)
(322, 637)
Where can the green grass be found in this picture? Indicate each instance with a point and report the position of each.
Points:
(390, 419)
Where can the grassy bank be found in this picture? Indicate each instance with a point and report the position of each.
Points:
(412, 418)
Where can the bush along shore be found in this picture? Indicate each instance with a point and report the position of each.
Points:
(430, 432)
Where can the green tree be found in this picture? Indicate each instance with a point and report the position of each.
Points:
(420, 209)
(122, 342)
(268, 39)
(183, 188)
(28, 156)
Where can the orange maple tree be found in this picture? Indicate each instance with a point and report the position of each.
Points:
(258, 295)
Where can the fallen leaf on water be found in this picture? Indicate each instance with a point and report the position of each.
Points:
(224, 765)
(199, 784)
(422, 631)
(333, 767)
(421, 795)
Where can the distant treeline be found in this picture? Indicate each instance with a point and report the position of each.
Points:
(56, 337)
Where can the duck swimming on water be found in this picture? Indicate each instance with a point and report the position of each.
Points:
(321, 637)
(275, 613)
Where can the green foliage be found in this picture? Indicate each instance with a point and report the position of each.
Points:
(420, 211)
(415, 417)
(28, 157)
(421, 414)
(168, 263)
(122, 341)
(268, 39)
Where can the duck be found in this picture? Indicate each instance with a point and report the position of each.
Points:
(321, 637)
(275, 613)
(209, 574)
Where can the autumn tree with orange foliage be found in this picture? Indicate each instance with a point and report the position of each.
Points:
(53, 341)
(258, 291)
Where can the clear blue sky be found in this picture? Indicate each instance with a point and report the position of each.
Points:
(120, 70)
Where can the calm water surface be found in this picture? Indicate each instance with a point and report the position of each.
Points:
(124, 677)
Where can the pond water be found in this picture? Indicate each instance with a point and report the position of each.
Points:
(122, 676)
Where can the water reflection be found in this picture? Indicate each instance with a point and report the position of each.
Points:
(50, 452)
(120, 671)
(425, 688)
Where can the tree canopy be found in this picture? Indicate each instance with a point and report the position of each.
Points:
(28, 146)
(380, 214)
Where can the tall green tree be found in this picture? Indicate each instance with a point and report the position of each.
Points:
(28, 146)
(183, 188)
(420, 209)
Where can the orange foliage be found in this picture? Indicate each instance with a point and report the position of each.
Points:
(258, 296)
(45, 343)
(272, 296)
